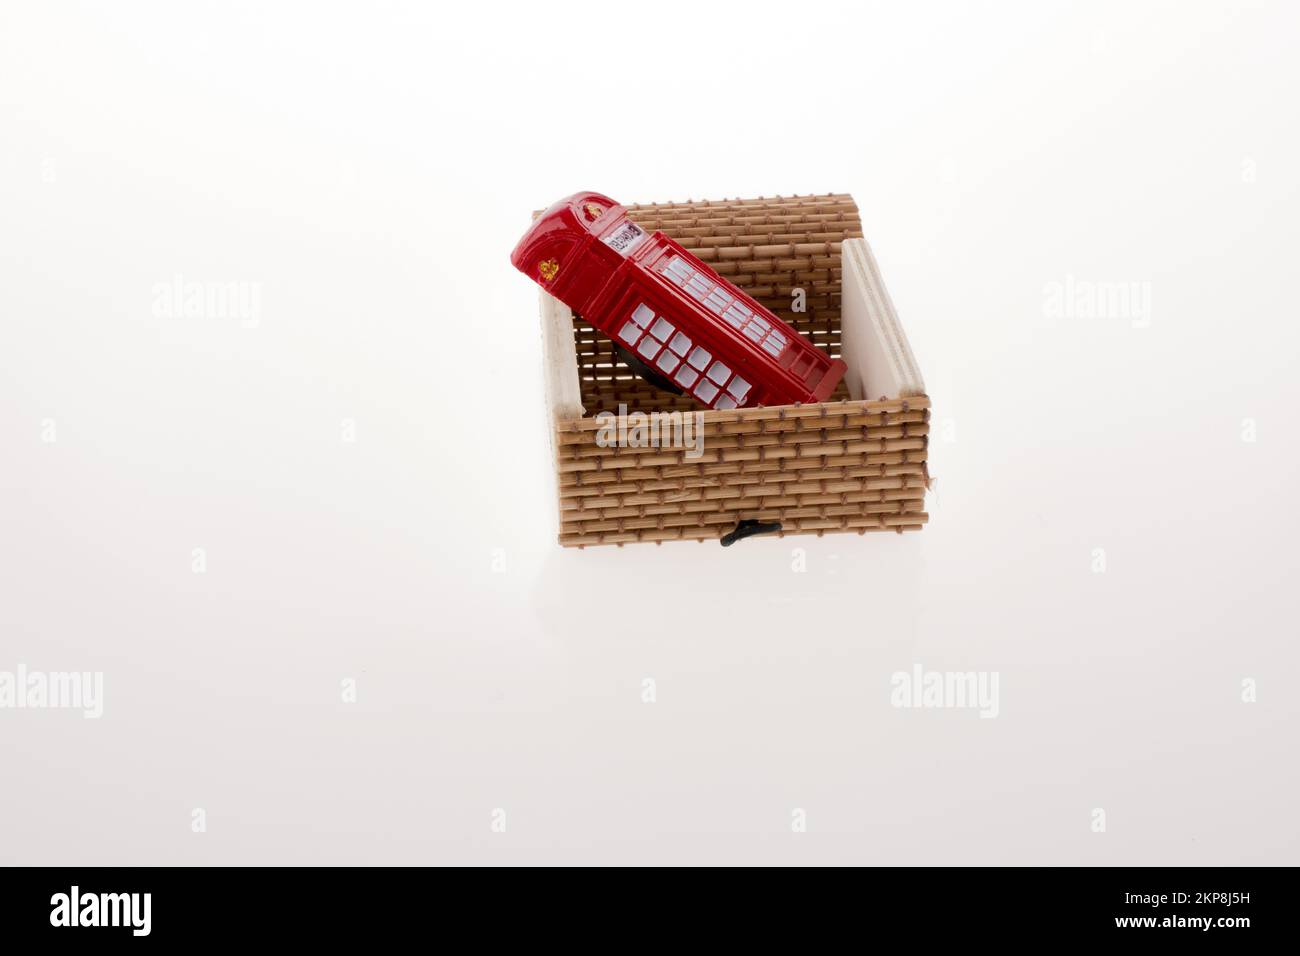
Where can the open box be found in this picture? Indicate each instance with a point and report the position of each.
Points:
(854, 463)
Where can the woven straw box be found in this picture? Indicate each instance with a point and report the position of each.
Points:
(856, 463)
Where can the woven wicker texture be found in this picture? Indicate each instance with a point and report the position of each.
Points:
(833, 467)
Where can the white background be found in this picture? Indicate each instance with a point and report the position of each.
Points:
(369, 167)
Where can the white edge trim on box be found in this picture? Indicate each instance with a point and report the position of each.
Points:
(872, 341)
(563, 390)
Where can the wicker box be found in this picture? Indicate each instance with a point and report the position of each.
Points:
(855, 463)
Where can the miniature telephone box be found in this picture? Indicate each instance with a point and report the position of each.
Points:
(678, 320)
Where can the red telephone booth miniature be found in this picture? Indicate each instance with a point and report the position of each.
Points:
(680, 321)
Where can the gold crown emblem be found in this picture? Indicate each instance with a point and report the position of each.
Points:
(548, 269)
(593, 211)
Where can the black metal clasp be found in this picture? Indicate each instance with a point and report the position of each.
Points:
(747, 528)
